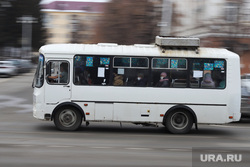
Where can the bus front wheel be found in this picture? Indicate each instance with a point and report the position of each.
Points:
(67, 119)
(179, 121)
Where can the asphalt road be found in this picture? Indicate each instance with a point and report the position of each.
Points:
(27, 142)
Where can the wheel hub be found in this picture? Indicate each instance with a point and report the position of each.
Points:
(67, 118)
(179, 120)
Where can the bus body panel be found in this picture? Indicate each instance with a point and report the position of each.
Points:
(38, 103)
(234, 85)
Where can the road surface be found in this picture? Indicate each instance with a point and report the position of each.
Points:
(27, 142)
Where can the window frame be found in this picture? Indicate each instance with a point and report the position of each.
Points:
(177, 67)
(130, 62)
(104, 66)
(188, 68)
(169, 63)
(203, 60)
(62, 61)
(155, 68)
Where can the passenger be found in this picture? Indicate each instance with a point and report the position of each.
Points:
(87, 80)
(140, 81)
(118, 80)
(207, 81)
(164, 81)
(222, 83)
(82, 78)
(78, 76)
(63, 78)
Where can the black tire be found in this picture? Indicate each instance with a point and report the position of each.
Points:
(179, 121)
(67, 119)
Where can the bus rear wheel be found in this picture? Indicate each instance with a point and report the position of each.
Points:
(179, 121)
(67, 119)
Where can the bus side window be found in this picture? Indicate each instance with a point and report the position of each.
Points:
(208, 73)
(178, 73)
(131, 71)
(91, 70)
(179, 78)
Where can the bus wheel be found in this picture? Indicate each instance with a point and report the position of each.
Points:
(179, 121)
(68, 119)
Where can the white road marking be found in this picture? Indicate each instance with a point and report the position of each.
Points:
(23, 145)
(178, 149)
(59, 146)
(4, 79)
(11, 101)
(101, 147)
(137, 148)
(230, 126)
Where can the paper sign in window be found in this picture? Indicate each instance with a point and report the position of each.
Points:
(101, 72)
(120, 71)
(197, 74)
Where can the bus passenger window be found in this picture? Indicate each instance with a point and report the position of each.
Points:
(91, 70)
(131, 71)
(179, 78)
(160, 72)
(208, 73)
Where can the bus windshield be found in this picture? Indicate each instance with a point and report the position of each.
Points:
(39, 75)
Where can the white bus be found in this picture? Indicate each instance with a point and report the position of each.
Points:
(174, 82)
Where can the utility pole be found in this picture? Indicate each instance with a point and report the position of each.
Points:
(27, 22)
(166, 18)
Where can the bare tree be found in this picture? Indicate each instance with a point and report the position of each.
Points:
(127, 22)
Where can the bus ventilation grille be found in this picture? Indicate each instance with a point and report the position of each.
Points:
(177, 42)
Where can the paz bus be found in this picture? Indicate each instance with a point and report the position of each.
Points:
(174, 82)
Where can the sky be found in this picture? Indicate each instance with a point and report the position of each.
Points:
(49, 1)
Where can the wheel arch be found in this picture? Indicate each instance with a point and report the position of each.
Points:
(68, 104)
(172, 109)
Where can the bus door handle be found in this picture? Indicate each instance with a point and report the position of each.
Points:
(66, 86)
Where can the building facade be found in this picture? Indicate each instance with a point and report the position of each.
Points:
(68, 21)
(218, 23)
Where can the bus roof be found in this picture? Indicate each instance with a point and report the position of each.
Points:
(132, 50)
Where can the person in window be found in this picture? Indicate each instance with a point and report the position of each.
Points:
(164, 81)
(140, 81)
(78, 76)
(118, 80)
(63, 78)
(222, 83)
(207, 81)
(87, 78)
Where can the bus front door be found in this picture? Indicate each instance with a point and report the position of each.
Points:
(58, 84)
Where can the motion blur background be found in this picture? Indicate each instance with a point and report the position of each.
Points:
(26, 25)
